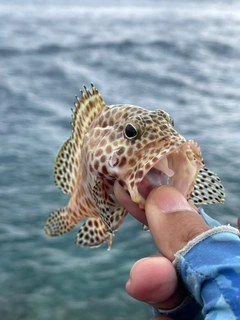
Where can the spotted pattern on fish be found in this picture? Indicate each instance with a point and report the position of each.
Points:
(126, 143)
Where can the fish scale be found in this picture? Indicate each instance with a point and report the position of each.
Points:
(138, 148)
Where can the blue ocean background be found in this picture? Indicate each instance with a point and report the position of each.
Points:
(180, 56)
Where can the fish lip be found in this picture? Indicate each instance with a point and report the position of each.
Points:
(184, 175)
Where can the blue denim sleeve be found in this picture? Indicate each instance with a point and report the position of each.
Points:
(209, 266)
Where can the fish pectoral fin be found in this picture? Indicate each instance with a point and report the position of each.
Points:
(111, 214)
(103, 204)
(208, 188)
(93, 233)
(59, 222)
(117, 217)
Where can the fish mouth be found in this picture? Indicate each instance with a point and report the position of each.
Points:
(178, 168)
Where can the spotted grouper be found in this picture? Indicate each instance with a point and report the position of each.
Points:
(138, 148)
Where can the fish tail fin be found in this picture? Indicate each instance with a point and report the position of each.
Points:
(59, 222)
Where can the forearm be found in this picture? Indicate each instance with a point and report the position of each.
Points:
(210, 269)
(209, 266)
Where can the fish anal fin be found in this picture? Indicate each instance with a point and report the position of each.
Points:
(59, 222)
(66, 166)
(208, 188)
(93, 233)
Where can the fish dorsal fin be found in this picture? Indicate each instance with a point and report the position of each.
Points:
(86, 110)
(68, 161)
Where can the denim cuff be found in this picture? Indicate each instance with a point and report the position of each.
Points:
(189, 309)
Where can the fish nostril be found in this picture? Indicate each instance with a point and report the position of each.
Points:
(113, 160)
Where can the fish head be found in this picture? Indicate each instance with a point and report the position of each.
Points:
(141, 150)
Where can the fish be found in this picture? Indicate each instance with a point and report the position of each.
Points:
(138, 148)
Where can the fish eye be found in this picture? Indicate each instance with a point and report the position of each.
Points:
(130, 131)
(134, 127)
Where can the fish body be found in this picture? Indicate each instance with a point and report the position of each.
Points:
(126, 143)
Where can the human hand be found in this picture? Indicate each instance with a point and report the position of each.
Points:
(173, 222)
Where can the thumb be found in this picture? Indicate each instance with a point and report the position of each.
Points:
(171, 220)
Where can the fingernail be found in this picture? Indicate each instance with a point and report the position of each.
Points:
(169, 199)
(128, 285)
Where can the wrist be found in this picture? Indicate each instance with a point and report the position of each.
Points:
(189, 229)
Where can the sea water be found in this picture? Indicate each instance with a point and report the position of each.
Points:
(180, 56)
